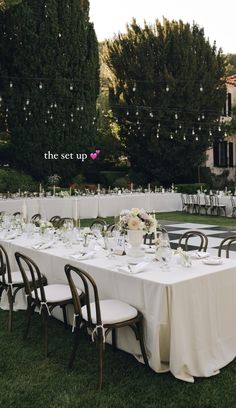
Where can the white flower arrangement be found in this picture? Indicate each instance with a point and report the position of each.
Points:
(137, 219)
(44, 225)
(184, 256)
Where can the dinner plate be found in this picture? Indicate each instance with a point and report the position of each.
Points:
(212, 261)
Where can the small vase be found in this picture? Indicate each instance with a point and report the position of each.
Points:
(135, 239)
(85, 242)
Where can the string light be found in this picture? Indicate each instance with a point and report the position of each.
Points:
(167, 88)
(201, 88)
(171, 136)
(176, 115)
(27, 102)
(71, 87)
(184, 137)
(40, 85)
(196, 138)
(11, 84)
(193, 132)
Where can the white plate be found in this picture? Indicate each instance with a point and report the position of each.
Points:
(212, 261)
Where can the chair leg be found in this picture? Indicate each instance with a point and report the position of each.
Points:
(30, 310)
(45, 330)
(75, 347)
(10, 302)
(100, 359)
(64, 316)
(140, 337)
(113, 334)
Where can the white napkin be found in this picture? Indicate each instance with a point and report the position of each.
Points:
(83, 257)
(46, 245)
(199, 255)
(12, 235)
(133, 269)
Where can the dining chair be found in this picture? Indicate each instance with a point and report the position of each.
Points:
(184, 240)
(16, 213)
(45, 298)
(98, 225)
(10, 281)
(216, 206)
(55, 220)
(112, 229)
(101, 317)
(225, 245)
(233, 202)
(35, 218)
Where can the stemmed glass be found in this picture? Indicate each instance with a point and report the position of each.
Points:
(110, 241)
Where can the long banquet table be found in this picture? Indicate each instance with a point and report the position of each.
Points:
(189, 312)
(93, 206)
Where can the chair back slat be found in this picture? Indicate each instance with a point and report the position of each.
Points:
(36, 285)
(184, 240)
(226, 245)
(89, 286)
(5, 269)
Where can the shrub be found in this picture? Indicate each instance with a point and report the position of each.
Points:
(191, 188)
(121, 182)
(12, 180)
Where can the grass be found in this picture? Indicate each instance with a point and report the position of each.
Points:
(179, 216)
(28, 380)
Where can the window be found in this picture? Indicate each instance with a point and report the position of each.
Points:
(223, 154)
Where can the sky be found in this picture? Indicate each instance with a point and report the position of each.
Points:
(218, 18)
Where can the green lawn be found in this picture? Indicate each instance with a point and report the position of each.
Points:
(28, 380)
(178, 216)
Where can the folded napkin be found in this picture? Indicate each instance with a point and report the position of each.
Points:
(199, 255)
(13, 235)
(46, 245)
(133, 269)
(83, 257)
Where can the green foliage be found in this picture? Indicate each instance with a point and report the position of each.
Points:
(12, 180)
(165, 81)
(191, 188)
(121, 182)
(231, 64)
(49, 52)
(108, 178)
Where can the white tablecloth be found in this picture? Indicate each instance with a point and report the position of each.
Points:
(189, 312)
(93, 206)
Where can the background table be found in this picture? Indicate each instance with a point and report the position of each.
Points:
(93, 206)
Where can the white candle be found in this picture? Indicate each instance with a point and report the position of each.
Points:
(149, 187)
(54, 190)
(131, 187)
(19, 191)
(70, 191)
(40, 188)
(24, 210)
(201, 189)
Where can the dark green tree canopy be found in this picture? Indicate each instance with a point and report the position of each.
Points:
(49, 82)
(167, 90)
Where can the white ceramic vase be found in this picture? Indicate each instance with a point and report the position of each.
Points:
(135, 239)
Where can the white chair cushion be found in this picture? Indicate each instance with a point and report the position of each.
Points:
(57, 293)
(17, 277)
(112, 311)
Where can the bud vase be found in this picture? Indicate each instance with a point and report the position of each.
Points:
(135, 239)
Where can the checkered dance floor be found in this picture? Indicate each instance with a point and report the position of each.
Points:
(214, 233)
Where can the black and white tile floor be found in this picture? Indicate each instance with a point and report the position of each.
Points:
(214, 233)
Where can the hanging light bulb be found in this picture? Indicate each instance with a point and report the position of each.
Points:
(55, 105)
(184, 137)
(167, 88)
(176, 116)
(72, 114)
(171, 136)
(0, 98)
(210, 133)
(45, 121)
(180, 126)
(63, 124)
(203, 116)
(71, 87)
(196, 138)
(225, 134)
(11, 84)
(137, 113)
(27, 101)
(72, 119)
(127, 113)
(201, 88)
(199, 128)
(193, 132)
(24, 108)
(59, 35)
(82, 108)
(40, 85)
(29, 113)
(157, 135)
(134, 88)
(159, 125)
(199, 118)
(151, 115)
(219, 128)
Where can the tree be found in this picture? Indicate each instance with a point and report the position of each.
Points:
(8, 3)
(49, 83)
(167, 92)
(231, 64)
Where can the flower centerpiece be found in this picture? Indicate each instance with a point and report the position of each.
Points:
(136, 222)
(44, 226)
(185, 258)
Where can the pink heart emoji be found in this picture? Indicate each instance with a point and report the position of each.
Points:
(98, 151)
(93, 156)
